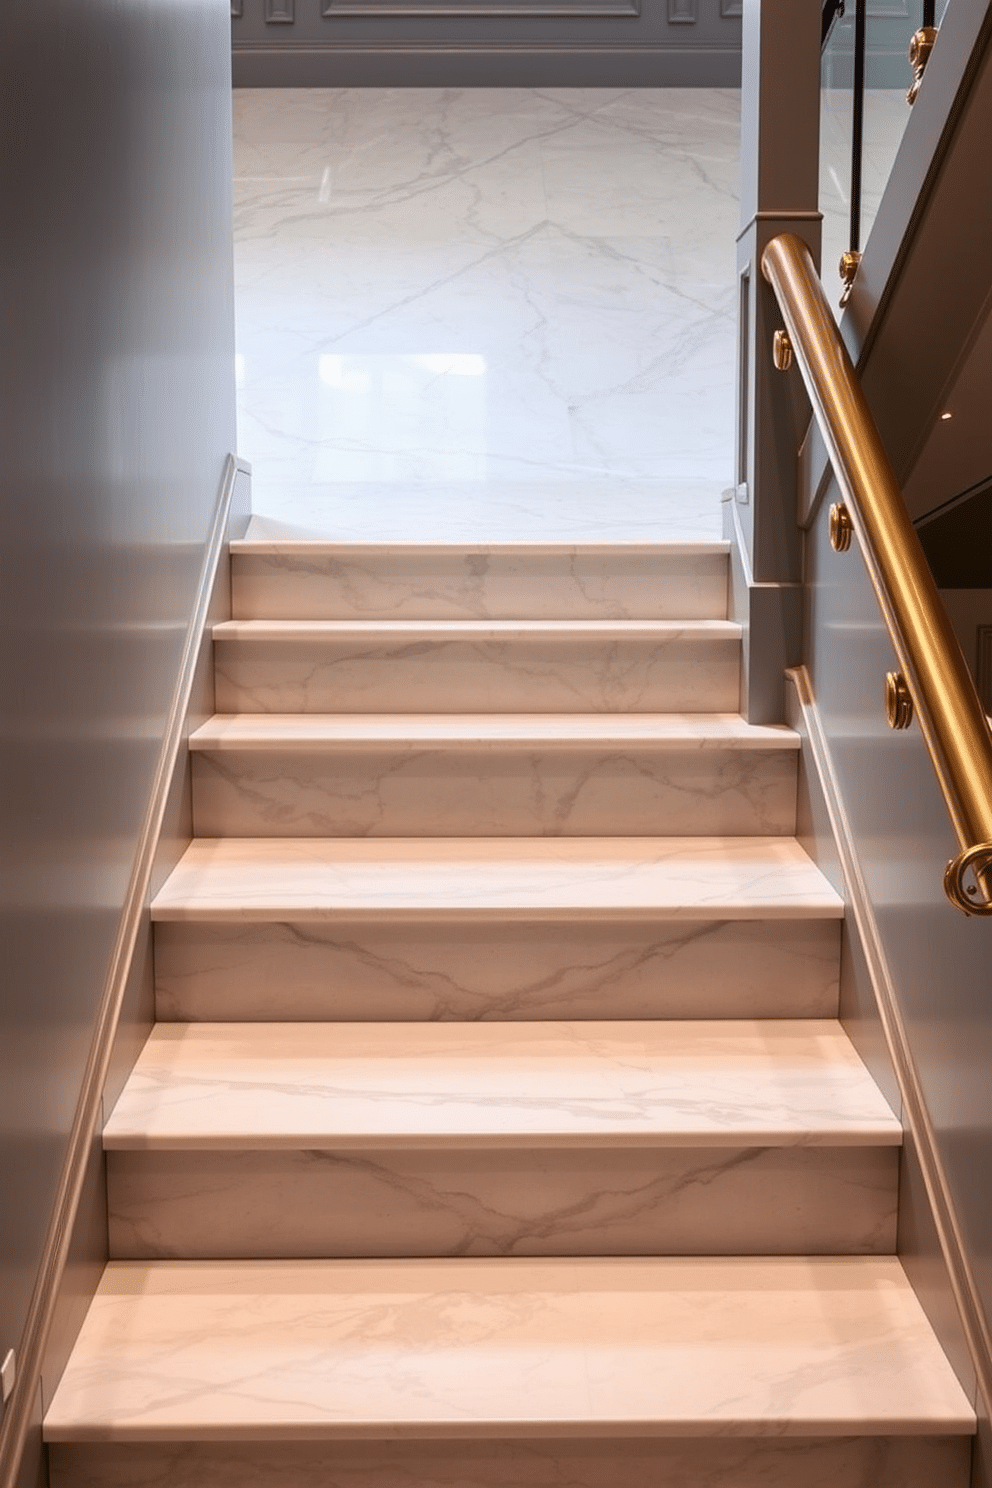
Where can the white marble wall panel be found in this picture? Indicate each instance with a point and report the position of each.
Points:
(520, 1347)
(491, 791)
(727, 1201)
(494, 511)
(507, 666)
(388, 582)
(383, 239)
(465, 971)
(690, 147)
(715, 1462)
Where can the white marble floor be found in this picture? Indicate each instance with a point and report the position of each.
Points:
(486, 314)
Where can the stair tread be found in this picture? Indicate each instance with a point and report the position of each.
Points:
(774, 1083)
(252, 879)
(320, 548)
(471, 630)
(522, 1347)
(247, 731)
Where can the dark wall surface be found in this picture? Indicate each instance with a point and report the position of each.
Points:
(116, 414)
(479, 43)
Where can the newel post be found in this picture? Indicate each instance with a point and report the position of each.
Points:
(780, 147)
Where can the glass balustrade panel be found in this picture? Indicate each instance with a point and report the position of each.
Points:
(853, 179)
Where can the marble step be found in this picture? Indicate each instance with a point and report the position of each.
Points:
(595, 1138)
(734, 1372)
(489, 775)
(483, 929)
(654, 878)
(456, 666)
(464, 969)
(495, 581)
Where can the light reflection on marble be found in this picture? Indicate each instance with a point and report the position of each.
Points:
(772, 1083)
(622, 878)
(514, 1348)
(702, 733)
(714, 1462)
(450, 969)
(455, 311)
(536, 1200)
(521, 775)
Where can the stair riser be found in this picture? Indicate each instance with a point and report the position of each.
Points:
(390, 584)
(521, 673)
(473, 970)
(837, 1462)
(486, 1202)
(494, 792)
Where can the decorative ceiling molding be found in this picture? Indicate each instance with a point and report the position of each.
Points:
(484, 9)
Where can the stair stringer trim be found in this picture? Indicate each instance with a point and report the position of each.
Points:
(38, 1365)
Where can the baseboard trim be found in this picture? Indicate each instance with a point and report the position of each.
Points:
(228, 519)
(961, 1277)
(499, 64)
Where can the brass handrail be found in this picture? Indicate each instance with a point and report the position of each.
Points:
(944, 697)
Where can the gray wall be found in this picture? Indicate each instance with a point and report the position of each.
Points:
(506, 43)
(939, 961)
(920, 299)
(116, 414)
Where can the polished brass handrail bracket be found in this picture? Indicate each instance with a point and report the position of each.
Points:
(939, 691)
(972, 897)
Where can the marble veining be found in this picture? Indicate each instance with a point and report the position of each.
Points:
(635, 581)
(248, 879)
(521, 1347)
(320, 1084)
(452, 308)
(535, 1200)
(488, 782)
(493, 666)
(485, 970)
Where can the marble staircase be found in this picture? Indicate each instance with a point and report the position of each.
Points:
(498, 1128)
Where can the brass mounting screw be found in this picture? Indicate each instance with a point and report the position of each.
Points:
(841, 527)
(848, 270)
(919, 55)
(782, 351)
(898, 702)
